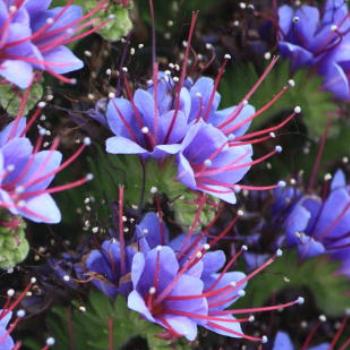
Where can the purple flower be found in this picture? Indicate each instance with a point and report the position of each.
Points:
(34, 37)
(106, 268)
(283, 342)
(321, 226)
(152, 273)
(26, 173)
(178, 284)
(141, 124)
(6, 341)
(321, 42)
(207, 163)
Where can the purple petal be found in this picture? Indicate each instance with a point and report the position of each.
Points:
(62, 60)
(120, 117)
(151, 232)
(122, 145)
(41, 208)
(9, 129)
(282, 341)
(17, 72)
(234, 327)
(136, 303)
(183, 325)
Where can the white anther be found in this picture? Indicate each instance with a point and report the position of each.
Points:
(87, 53)
(206, 246)
(278, 149)
(251, 318)
(281, 183)
(198, 94)
(208, 163)
(141, 46)
(241, 293)
(159, 248)
(82, 308)
(296, 19)
(125, 69)
(267, 56)
(272, 134)
(297, 110)
(301, 300)
(19, 189)
(87, 141)
(328, 177)
(66, 278)
(50, 20)
(152, 290)
(244, 247)
(334, 27)
(21, 313)
(145, 130)
(227, 56)
(42, 104)
(240, 212)
(10, 168)
(208, 46)
(111, 95)
(33, 280)
(89, 177)
(243, 5)
(176, 79)
(12, 9)
(279, 252)
(10, 293)
(291, 82)
(153, 189)
(322, 318)
(199, 255)
(264, 339)
(50, 341)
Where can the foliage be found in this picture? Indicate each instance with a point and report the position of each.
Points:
(92, 329)
(10, 98)
(116, 18)
(316, 104)
(319, 275)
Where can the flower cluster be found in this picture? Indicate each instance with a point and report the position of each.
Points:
(176, 283)
(321, 225)
(26, 173)
(283, 341)
(319, 42)
(35, 37)
(295, 218)
(181, 119)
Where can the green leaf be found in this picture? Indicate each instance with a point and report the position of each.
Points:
(105, 324)
(319, 275)
(10, 98)
(316, 103)
(118, 22)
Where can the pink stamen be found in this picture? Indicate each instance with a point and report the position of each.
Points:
(121, 230)
(214, 89)
(182, 76)
(251, 92)
(259, 112)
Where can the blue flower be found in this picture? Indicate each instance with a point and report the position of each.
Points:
(6, 341)
(105, 268)
(181, 284)
(26, 173)
(320, 42)
(207, 163)
(283, 342)
(34, 37)
(321, 226)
